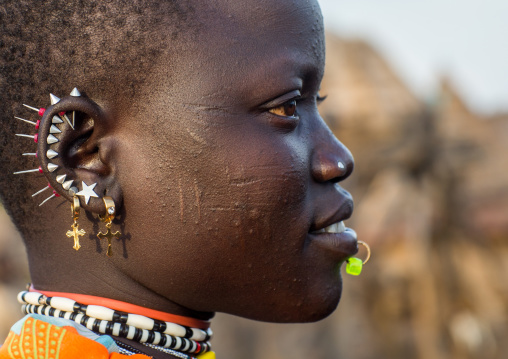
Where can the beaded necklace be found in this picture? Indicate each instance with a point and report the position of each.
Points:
(164, 336)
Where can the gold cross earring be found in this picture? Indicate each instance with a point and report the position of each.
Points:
(108, 218)
(75, 232)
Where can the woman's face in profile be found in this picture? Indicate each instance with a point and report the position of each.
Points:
(228, 170)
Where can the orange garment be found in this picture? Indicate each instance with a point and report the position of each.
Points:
(41, 340)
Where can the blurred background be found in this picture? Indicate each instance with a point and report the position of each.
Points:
(418, 90)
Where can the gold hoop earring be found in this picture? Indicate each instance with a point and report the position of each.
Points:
(108, 218)
(75, 232)
(354, 265)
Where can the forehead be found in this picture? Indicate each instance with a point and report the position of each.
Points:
(243, 42)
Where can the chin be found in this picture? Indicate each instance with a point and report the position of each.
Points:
(315, 308)
(311, 307)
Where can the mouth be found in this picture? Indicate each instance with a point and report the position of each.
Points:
(330, 234)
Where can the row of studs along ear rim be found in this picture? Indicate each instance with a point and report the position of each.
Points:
(87, 191)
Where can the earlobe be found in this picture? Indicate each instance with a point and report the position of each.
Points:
(73, 148)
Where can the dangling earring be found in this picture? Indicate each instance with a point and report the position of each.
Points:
(108, 218)
(75, 232)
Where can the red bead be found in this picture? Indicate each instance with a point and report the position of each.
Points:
(62, 113)
(37, 124)
(41, 111)
(36, 137)
(40, 169)
(56, 194)
(36, 155)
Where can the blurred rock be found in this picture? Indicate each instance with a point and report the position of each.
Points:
(13, 273)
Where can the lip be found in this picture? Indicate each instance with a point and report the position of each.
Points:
(339, 246)
(334, 214)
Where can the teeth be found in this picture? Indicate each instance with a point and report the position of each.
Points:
(338, 227)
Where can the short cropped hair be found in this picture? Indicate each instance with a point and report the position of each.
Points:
(52, 45)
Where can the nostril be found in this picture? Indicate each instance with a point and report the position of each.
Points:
(331, 170)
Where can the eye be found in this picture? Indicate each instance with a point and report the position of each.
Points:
(287, 109)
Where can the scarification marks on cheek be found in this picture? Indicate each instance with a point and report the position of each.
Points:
(180, 191)
(198, 199)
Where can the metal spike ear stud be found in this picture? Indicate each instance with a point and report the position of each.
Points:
(75, 232)
(54, 129)
(56, 119)
(108, 218)
(74, 93)
(51, 154)
(67, 184)
(354, 265)
(54, 99)
(51, 139)
(61, 178)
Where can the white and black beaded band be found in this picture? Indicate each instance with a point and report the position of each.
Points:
(122, 330)
(104, 313)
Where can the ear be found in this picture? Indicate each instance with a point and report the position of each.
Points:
(75, 149)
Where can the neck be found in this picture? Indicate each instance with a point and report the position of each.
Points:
(115, 285)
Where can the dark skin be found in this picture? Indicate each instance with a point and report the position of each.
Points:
(221, 169)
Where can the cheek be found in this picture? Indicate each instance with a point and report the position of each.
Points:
(251, 191)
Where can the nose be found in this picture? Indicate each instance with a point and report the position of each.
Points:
(331, 160)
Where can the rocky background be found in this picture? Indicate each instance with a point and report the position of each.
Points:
(431, 195)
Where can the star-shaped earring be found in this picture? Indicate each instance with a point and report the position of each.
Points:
(87, 191)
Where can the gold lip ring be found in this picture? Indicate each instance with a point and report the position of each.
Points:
(368, 251)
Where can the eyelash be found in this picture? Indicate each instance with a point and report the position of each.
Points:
(291, 106)
(320, 99)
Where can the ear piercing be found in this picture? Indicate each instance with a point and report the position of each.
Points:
(51, 154)
(75, 232)
(50, 140)
(74, 93)
(42, 190)
(354, 265)
(40, 111)
(88, 192)
(54, 195)
(36, 124)
(108, 218)
(28, 171)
